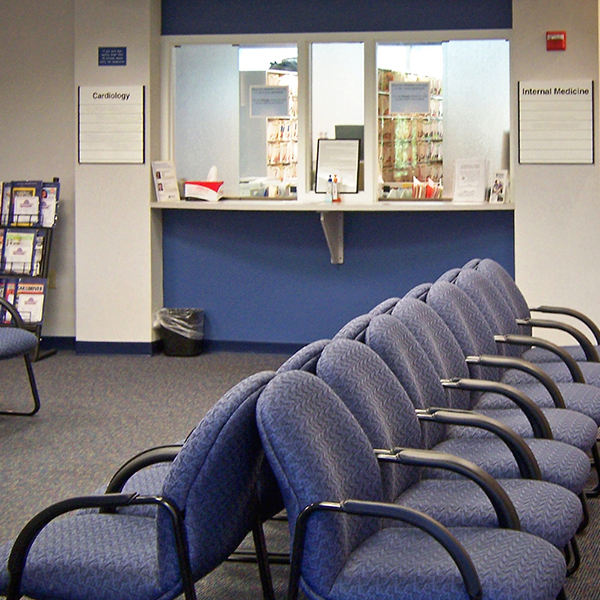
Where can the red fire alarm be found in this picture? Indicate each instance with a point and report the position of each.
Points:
(556, 40)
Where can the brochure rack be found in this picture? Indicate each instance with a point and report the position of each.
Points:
(27, 217)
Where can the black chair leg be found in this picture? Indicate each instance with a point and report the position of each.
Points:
(264, 570)
(595, 491)
(573, 557)
(34, 391)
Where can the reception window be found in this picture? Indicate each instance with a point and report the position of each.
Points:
(256, 111)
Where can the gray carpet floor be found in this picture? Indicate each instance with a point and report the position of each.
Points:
(97, 411)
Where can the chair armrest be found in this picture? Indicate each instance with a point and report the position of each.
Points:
(535, 416)
(17, 319)
(505, 510)
(588, 348)
(142, 460)
(20, 550)
(561, 310)
(526, 461)
(508, 362)
(381, 510)
(527, 340)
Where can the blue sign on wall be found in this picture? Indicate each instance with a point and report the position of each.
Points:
(112, 57)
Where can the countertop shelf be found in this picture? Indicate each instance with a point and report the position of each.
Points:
(321, 207)
(331, 213)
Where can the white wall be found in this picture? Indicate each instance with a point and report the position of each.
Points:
(117, 239)
(557, 218)
(37, 127)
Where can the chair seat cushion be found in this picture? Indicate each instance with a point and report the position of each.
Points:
(545, 509)
(15, 341)
(559, 463)
(567, 426)
(579, 397)
(558, 371)
(404, 564)
(539, 355)
(91, 557)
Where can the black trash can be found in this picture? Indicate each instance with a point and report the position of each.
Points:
(181, 330)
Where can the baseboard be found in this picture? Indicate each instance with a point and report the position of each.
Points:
(150, 348)
(255, 347)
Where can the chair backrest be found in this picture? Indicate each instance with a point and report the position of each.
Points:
(384, 307)
(213, 480)
(439, 344)
(449, 276)
(375, 397)
(419, 292)
(492, 304)
(318, 452)
(401, 352)
(305, 359)
(354, 329)
(501, 278)
(466, 322)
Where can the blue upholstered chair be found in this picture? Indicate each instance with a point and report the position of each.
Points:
(513, 342)
(522, 312)
(371, 391)
(557, 462)
(206, 506)
(17, 341)
(448, 359)
(476, 339)
(342, 547)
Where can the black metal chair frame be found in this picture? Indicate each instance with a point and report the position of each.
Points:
(17, 321)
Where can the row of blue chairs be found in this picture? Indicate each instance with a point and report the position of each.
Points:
(418, 453)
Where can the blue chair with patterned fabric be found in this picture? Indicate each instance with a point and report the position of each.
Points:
(343, 548)
(206, 506)
(17, 341)
(375, 397)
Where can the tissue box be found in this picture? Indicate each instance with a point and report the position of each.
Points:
(203, 190)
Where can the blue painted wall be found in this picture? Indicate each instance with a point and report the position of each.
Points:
(185, 17)
(267, 278)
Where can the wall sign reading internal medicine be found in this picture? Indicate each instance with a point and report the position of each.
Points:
(556, 122)
(111, 124)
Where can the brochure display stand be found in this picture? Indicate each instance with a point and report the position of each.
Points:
(27, 217)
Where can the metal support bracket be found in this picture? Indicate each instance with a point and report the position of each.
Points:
(333, 227)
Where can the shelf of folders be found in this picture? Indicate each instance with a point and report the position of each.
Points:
(27, 218)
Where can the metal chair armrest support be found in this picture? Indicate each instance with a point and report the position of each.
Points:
(505, 510)
(590, 352)
(526, 461)
(383, 510)
(535, 416)
(570, 312)
(508, 362)
(526, 340)
(140, 461)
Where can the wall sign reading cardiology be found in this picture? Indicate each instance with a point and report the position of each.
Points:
(556, 122)
(111, 124)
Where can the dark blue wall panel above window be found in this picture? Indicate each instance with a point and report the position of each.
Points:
(193, 17)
